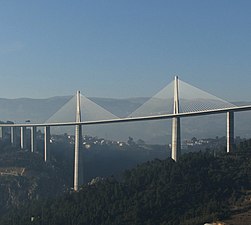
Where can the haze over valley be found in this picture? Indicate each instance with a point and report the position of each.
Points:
(154, 132)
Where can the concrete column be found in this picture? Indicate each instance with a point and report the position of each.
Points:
(12, 135)
(13, 138)
(33, 139)
(78, 166)
(1, 132)
(23, 138)
(230, 131)
(176, 145)
(47, 137)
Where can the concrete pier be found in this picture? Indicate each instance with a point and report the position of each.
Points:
(13, 136)
(78, 166)
(47, 138)
(176, 144)
(23, 138)
(1, 132)
(230, 131)
(33, 139)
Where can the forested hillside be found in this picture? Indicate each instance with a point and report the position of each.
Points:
(197, 189)
(25, 177)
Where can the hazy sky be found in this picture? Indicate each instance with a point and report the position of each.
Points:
(124, 48)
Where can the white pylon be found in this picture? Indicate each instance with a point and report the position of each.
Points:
(230, 131)
(47, 137)
(176, 146)
(78, 170)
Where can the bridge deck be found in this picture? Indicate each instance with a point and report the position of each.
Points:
(134, 119)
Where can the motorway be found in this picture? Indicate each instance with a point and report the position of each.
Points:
(134, 119)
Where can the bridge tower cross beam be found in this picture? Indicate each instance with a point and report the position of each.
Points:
(78, 165)
(176, 144)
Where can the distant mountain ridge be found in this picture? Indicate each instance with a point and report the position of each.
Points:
(39, 110)
(36, 110)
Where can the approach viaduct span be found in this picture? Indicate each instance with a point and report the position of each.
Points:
(175, 116)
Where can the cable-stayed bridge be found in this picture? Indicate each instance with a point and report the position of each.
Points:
(175, 101)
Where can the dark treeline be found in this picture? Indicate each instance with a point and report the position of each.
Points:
(197, 189)
(24, 176)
